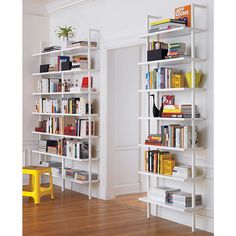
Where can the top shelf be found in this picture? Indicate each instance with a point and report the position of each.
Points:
(170, 33)
(67, 50)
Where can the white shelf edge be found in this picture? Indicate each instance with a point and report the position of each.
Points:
(80, 48)
(61, 114)
(169, 90)
(171, 177)
(169, 206)
(65, 93)
(80, 181)
(65, 72)
(65, 136)
(181, 31)
(170, 119)
(184, 59)
(67, 158)
(169, 148)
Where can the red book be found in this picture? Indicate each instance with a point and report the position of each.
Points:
(85, 82)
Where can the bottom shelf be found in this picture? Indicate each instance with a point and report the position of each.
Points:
(169, 206)
(74, 180)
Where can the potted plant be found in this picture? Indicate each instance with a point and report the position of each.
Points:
(65, 33)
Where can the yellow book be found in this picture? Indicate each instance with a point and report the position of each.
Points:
(151, 81)
(70, 106)
(160, 22)
(168, 166)
(164, 157)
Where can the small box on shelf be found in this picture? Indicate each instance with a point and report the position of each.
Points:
(158, 54)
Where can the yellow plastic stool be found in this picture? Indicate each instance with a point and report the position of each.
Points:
(36, 191)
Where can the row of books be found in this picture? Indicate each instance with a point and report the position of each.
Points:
(173, 135)
(174, 196)
(154, 45)
(163, 78)
(80, 174)
(158, 162)
(179, 111)
(59, 125)
(50, 85)
(53, 85)
(70, 148)
(78, 106)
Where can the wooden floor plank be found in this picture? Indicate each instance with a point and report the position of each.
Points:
(72, 213)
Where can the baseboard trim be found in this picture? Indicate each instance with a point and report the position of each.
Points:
(127, 189)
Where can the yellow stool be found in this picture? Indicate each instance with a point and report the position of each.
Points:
(36, 191)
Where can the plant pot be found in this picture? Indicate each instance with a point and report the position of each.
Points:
(64, 44)
(198, 77)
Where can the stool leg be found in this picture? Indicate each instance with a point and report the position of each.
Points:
(37, 189)
(51, 186)
(31, 182)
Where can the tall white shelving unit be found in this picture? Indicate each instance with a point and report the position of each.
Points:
(89, 94)
(191, 60)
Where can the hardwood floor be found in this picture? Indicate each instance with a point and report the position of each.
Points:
(72, 214)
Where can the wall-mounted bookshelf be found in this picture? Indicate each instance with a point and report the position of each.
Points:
(91, 139)
(150, 152)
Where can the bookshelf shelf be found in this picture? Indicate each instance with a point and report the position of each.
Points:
(65, 136)
(60, 114)
(171, 133)
(59, 81)
(172, 61)
(74, 71)
(169, 206)
(173, 33)
(170, 90)
(81, 181)
(67, 158)
(169, 148)
(66, 93)
(170, 119)
(171, 177)
(76, 49)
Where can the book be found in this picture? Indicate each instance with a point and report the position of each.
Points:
(163, 21)
(183, 14)
(61, 59)
(168, 99)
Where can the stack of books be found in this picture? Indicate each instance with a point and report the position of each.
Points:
(176, 50)
(76, 150)
(153, 139)
(84, 175)
(42, 147)
(182, 171)
(51, 48)
(184, 199)
(160, 193)
(80, 61)
(70, 172)
(186, 110)
(166, 24)
(82, 43)
(158, 162)
(171, 111)
(55, 164)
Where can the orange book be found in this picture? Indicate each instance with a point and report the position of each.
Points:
(155, 163)
(145, 160)
(184, 13)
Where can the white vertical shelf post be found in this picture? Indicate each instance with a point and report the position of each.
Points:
(89, 112)
(63, 159)
(40, 79)
(193, 110)
(149, 122)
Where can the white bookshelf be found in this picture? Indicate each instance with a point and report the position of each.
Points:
(190, 61)
(91, 139)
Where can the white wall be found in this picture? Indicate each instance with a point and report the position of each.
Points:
(120, 21)
(35, 28)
